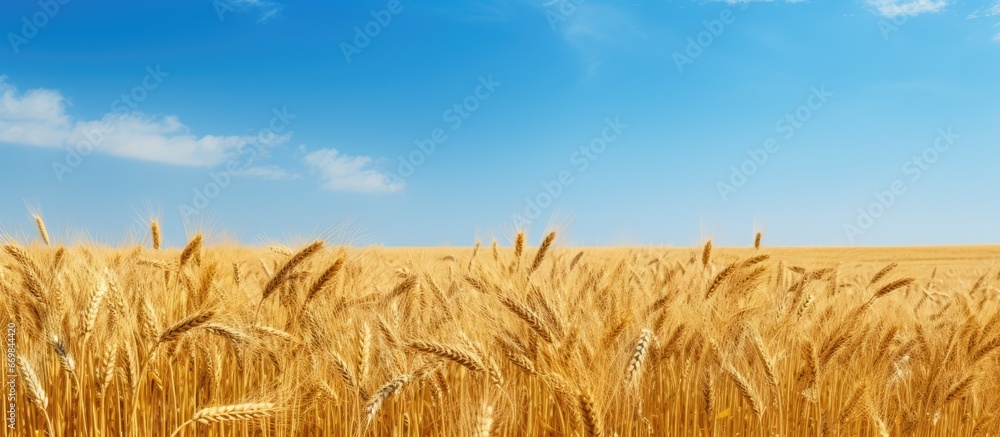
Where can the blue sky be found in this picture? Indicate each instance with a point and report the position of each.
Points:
(867, 122)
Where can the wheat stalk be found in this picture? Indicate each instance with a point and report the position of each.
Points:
(518, 250)
(44, 233)
(90, 316)
(228, 413)
(35, 391)
(542, 250)
(324, 279)
(747, 390)
(184, 325)
(591, 416)
(890, 287)
(882, 273)
(463, 358)
(385, 392)
(191, 251)
(155, 230)
(475, 252)
(285, 271)
(706, 253)
(634, 369)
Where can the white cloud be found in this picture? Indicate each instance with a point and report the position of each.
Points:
(897, 8)
(35, 118)
(38, 118)
(341, 172)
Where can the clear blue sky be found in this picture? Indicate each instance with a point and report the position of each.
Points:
(636, 116)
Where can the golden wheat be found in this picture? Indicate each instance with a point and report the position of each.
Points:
(630, 341)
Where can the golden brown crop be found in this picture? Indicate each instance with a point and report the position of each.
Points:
(324, 340)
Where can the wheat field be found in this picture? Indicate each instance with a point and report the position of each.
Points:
(488, 340)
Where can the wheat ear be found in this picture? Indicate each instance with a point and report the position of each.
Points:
(191, 251)
(41, 229)
(591, 416)
(157, 238)
(36, 393)
(518, 250)
(542, 250)
(380, 396)
(706, 253)
(228, 413)
(465, 359)
(634, 370)
(529, 317)
(882, 273)
(285, 271)
(90, 316)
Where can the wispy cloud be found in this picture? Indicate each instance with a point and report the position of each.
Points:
(341, 172)
(38, 118)
(266, 9)
(596, 31)
(602, 30)
(989, 11)
(897, 8)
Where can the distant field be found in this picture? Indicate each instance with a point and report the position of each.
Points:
(546, 340)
